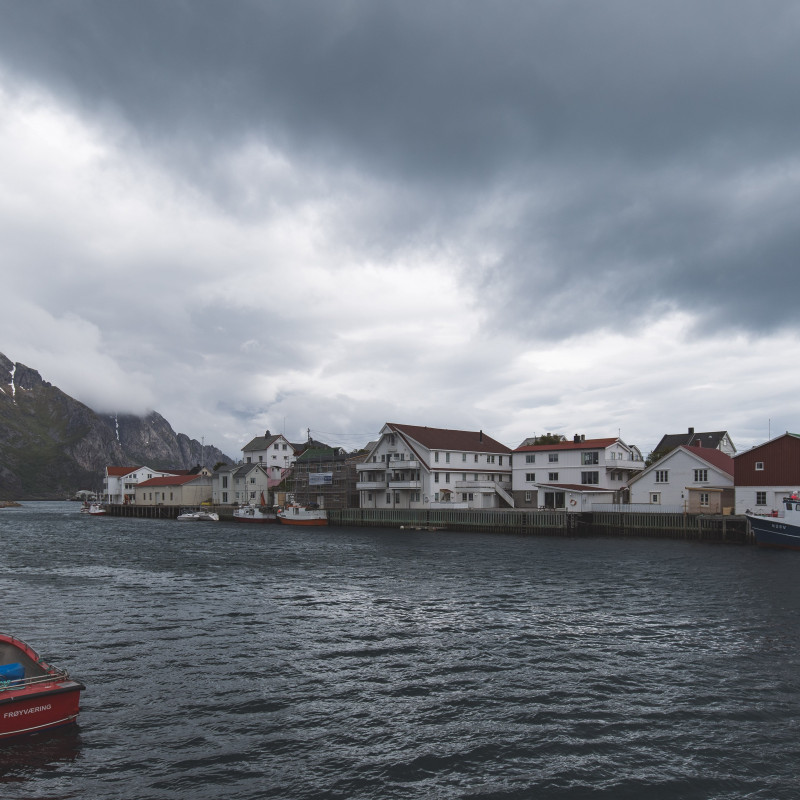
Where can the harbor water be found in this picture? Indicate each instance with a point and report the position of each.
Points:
(248, 662)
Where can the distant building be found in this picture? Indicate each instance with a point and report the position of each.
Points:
(174, 490)
(119, 484)
(573, 475)
(326, 476)
(273, 452)
(413, 466)
(767, 473)
(697, 480)
(241, 484)
(715, 440)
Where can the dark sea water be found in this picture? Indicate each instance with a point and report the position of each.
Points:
(230, 661)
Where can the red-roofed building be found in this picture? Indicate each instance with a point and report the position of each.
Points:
(573, 474)
(698, 480)
(413, 466)
(174, 490)
(768, 473)
(119, 484)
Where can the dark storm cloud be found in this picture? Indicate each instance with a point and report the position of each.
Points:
(628, 133)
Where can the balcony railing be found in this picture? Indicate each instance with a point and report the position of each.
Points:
(405, 484)
(370, 485)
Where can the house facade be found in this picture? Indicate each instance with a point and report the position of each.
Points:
(695, 480)
(273, 452)
(119, 484)
(240, 484)
(174, 490)
(573, 475)
(412, 466)
(766, 474)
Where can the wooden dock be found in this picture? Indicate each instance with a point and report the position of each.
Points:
(697, 527)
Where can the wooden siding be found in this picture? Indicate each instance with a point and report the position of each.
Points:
(781, 459)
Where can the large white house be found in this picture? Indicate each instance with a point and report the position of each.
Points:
(573, 474)
(697, 480)
(412, 466)
(120, 482)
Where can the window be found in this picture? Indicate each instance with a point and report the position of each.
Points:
(587, 459)
(761, 498)
(447, 458)
(476, 458)
(655, 498)
(490, 459)
(369, 496)
(284, 447)
(224, 481)
(501, 461)
(552, 476)
(436, 477)
(447, 477)
(592, 478)
(701, 476)
(463, 456)
(527, 497)
(662, 476)
(436, 456)
(388, 497)
(759, 466)
(463, 476)
(704, 499)
(530, 458)
(552, 458)
(530, 477)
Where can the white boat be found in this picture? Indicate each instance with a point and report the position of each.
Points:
(198, 515)
(95, 509)
(260, 514)
(302, 515)
(781, 532)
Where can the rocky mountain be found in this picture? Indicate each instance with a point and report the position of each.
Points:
(51, 445)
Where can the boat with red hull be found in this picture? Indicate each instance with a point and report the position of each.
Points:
(34, 695)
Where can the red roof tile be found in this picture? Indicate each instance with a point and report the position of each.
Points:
(713, 456)
(582, 445)
(118, 472)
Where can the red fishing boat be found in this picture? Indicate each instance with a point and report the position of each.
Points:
(34, 695)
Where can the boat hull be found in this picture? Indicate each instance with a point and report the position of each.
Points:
(290, 521)
(31, 711)
(34, 695)
(775, 532)
(255, 516)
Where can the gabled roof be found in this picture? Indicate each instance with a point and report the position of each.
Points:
(263, 442)
(709, 455)
(704, 439)
(445, 439)
(768, 443)
(716, 458)
(170, 480)
(119, 472)
(584, 444)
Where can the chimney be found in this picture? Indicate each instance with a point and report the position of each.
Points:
(583, 437)
(267, 435)
(691, 431)
(481, 435)
(576, 438)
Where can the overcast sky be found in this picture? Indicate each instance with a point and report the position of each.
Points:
(522, 217)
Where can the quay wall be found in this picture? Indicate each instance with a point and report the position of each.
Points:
(699, 527)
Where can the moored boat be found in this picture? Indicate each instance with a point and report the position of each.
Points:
(198, 515)
(93, 509)
(257, 514)
(34, 695)
(302, 515)
(781, 532)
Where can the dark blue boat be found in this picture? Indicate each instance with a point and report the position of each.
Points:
(782, 531)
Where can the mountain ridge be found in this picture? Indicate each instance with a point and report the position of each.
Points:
(52, 445)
